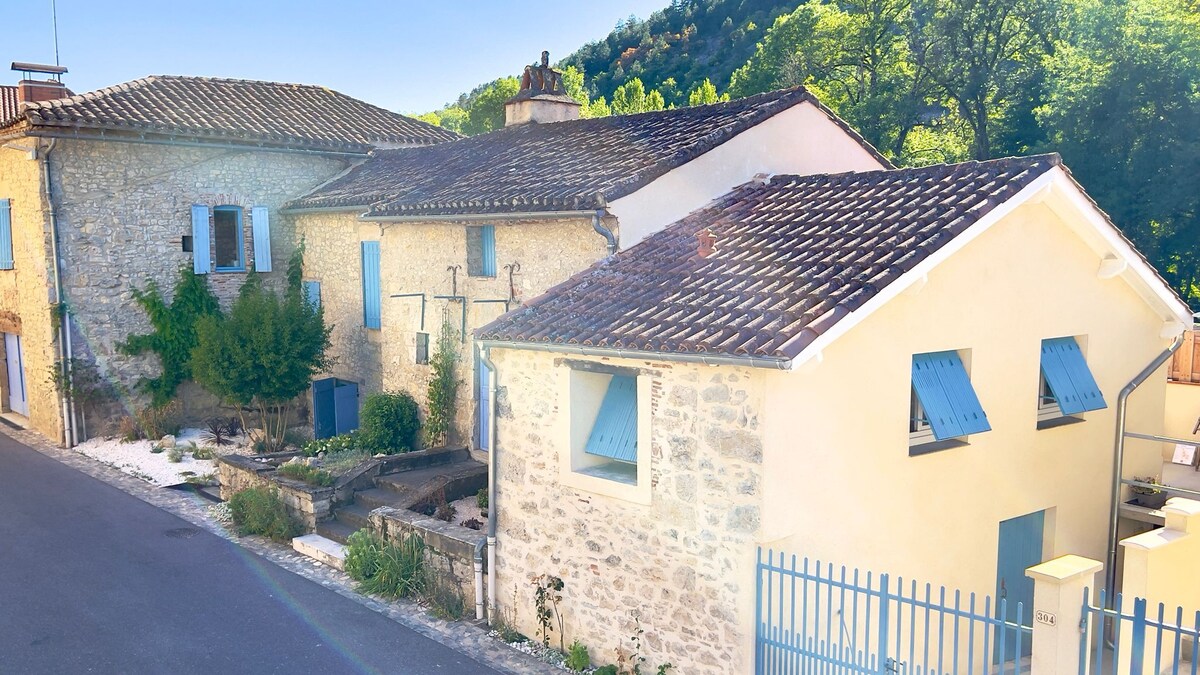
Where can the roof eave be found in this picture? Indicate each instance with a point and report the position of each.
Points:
(746, 361)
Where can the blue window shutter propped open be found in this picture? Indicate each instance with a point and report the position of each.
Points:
(614, 435)
(945, 391)
(6, 242)
(1069, 378)
(488, 244)
(201, 256)
(372, 295)
(261, 222)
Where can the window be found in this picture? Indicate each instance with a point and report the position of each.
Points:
(1066, 386)
(6, 242)
(481, 251)
(372, 294)
(608, 433)
(312, 293)
(229, 246)
(422, 355)
(943, 403)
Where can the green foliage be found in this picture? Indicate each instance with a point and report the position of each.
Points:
(578, 659)
(389, 423)
(175, 455)
(486, 112)
(203, 452)
(155, 421)
(443, 387)
(444, 596)
(632, 97)
(481, 498)
(307, 474)
(705, 93)
(606, 670)
(385, 569)
(547, 593)
(261, 511)
(342, 461)
(174, 333)
(334, 444)
(265, 353)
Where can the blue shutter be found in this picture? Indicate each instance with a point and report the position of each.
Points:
(201, 248)
(1069, 378)
(261, 222)
(6, 243)
(614, 434)
(372, 296)
(945, 391)
(488, 244)
(312, 293)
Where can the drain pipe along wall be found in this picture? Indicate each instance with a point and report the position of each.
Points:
(64, 326)
(485, 357)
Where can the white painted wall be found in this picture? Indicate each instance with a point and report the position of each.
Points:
(800, 140)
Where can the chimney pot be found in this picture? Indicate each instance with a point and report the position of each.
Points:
(542, 97)
(708, 242)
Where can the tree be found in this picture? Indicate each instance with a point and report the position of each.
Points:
(705, 93)
(443, 387)
(486, 112)
(1123, 108)
(265, 353)
(175, 331)
(629, 98)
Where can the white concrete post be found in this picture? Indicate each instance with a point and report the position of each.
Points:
(1057, 612)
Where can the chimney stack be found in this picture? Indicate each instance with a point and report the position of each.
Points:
(30, 90)
(542, 97)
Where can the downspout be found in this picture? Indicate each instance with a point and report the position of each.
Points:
(479, 578)
(1110, 572)
(486, 359)
(64, 344)
(604, 231)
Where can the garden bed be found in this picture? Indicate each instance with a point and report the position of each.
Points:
(137, 459)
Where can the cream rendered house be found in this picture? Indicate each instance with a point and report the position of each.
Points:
(909, 371)
(417, 238)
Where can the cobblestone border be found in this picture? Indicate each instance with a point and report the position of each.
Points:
(464, 637)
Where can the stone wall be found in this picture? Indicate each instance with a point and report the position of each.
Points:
(123, 209)
(449, 549)
(684, 562)
(26, 291)
(308, 503)
(414, 258)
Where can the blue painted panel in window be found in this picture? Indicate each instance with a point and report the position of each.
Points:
(261, 222)
(6, 242)
(372, 295)
(945, 391)
(201, 248)
(614, 435)
(1069, 378)
(488, 244)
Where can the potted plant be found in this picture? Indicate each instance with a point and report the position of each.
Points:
(1149, 497)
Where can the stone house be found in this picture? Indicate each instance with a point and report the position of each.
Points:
(458, 233)
(895, 370)
(110, 190)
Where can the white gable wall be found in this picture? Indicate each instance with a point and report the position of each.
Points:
(800, 140)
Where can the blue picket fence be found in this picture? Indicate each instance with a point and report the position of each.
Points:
(1132, 639)
(814, 619)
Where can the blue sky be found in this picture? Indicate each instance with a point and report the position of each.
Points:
(406, 56)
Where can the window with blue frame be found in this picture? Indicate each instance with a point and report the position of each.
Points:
(1067, 388)
(229, 241)
(610, 447)
(481, 251)
(944, 408)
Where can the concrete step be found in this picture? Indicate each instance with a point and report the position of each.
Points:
(356, 515)
(321, 549)
(336, 530)
(377, 497)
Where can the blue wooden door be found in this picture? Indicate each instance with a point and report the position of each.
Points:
(345, 406)
(324, 422)
(1020, 548)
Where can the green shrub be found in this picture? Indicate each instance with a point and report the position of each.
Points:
(154, 422)
(308, 474)
(605, 670)
(260, 511)
(203, 452)
(444, 597)
(578, 658)
(385, 569)
(175, 455)
(342, 443)
(389, 423)
(481, 498)
(340, 462)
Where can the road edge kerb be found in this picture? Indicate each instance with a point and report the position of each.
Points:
(463, 637)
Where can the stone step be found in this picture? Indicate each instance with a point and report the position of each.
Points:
(469, 475)
(321, 549)
(336, 530)
(376, 497)
(416, 461)
(356, 515)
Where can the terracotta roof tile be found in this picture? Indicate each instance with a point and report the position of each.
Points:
(792, 257)
(271, 113)
(574, 165)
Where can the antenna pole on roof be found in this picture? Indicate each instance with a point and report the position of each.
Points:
(54, 22)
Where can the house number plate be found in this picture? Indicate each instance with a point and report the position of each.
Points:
(1042, 616)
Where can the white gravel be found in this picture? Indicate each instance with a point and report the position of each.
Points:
(136, 459)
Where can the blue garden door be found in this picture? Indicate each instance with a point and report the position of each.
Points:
(1020, 547)
(335, 407)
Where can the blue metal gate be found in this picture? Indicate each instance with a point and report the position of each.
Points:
(813, 619)
(1137, 640)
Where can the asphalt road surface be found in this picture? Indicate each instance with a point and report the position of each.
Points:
(93, 580)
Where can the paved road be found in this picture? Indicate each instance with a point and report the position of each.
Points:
(94, 580)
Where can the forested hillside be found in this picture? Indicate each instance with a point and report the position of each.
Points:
(1113, 85)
